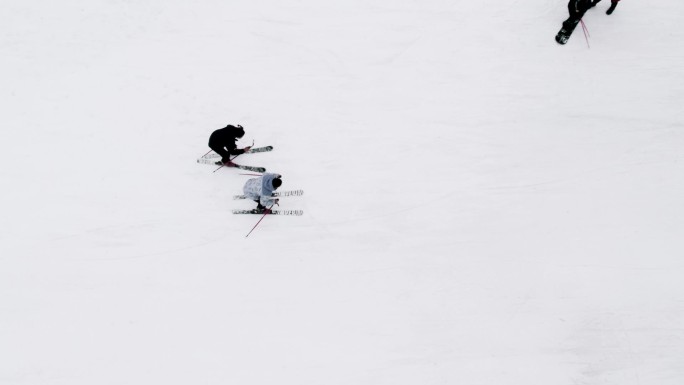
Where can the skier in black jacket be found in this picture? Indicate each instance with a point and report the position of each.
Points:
(222, 141)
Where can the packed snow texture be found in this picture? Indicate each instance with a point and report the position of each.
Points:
(482, 205)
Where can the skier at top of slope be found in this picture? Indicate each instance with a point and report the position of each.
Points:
(261, 190)
(577, 9)
(613, 4)
(222, 141)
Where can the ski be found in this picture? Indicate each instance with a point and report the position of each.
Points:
(249, 168)
(274, 212)
(287, 193)
(565, 32)
(253, 150)
(214, 162)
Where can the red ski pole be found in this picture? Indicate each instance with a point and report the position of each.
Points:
(231, 159)
(586, 33)
(266, 212)
(224, 164)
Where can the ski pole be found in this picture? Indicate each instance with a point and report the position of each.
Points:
(250, 147)
(268, 210)
(222, 165)
(206, 153)
(231, 159)
(586, 33)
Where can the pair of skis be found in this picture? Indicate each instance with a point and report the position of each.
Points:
(215, 160)
(286, 193)
(297, 213)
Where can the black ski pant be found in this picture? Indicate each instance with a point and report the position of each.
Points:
(576, 9)
(221, 150)
(219, 146)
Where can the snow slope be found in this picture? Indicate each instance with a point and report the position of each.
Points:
(483, 206)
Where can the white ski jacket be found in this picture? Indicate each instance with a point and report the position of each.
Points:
(261, 189)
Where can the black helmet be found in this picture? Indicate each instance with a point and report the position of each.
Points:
(237, 131)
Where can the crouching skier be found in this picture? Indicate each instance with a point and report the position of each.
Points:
(261, 191)
(222, 141)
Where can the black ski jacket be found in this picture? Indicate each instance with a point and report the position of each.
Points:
(226, 138)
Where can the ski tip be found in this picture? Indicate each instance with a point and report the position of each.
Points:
(288, 212)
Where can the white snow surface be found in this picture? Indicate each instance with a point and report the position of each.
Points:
(482, 205)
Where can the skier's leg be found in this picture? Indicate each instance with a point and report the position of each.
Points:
(569, 24)
(613, 4)
(575, 15)
(576, 9)
(225, 155)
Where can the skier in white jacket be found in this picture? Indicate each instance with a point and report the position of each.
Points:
(261, 190)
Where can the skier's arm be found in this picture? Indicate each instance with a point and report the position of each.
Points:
(268, 201)
(238, 151)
